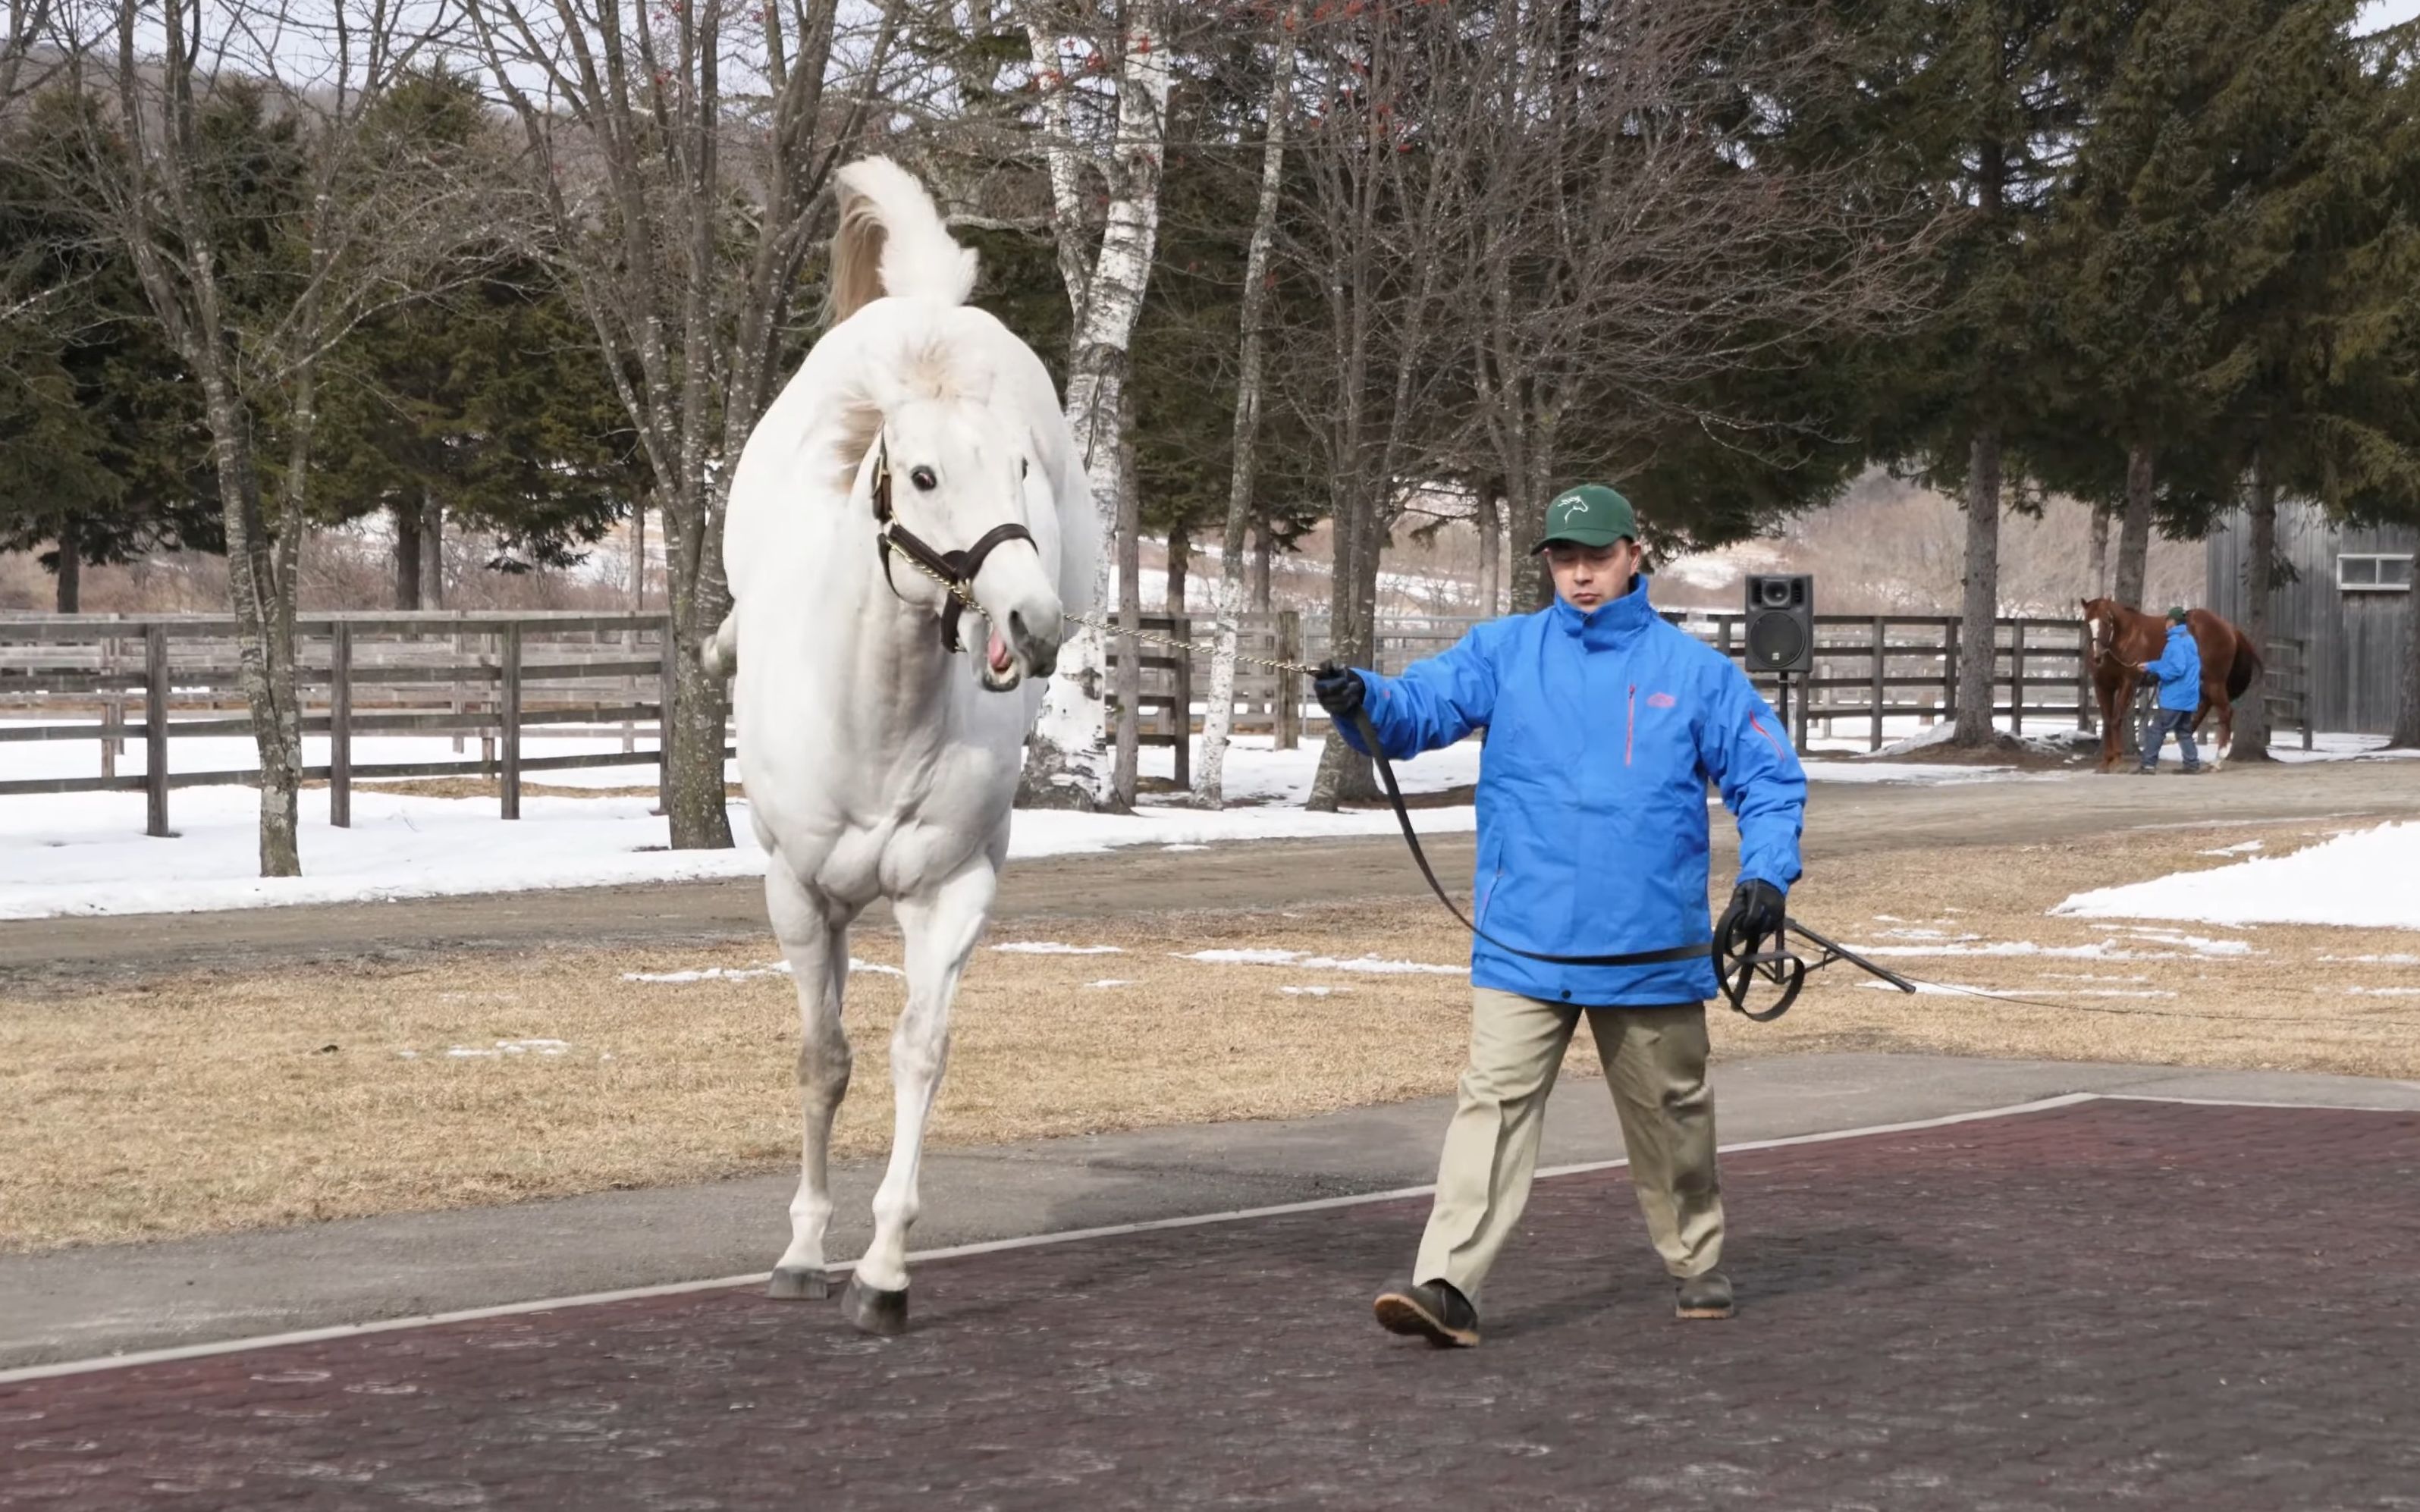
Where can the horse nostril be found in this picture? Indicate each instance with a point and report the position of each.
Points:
(1017, 634)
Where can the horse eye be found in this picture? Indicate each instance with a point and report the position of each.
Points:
(922, 478)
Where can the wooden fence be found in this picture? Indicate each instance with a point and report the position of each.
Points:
(485, 676)
(495, 678)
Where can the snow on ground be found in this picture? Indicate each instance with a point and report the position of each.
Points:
(2369, 879)
(1321, 963)
(87, 852)
(2328, 745)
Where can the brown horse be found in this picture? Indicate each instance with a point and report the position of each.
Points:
(2123, 639)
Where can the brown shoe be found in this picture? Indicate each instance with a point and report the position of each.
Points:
(1703, 1296)
(1432, 1310)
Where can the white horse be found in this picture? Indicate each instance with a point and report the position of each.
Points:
(879, 761)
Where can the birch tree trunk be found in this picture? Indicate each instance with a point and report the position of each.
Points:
(1125, 764)
(1218, 724)
(1067, 762)
(2134, 529)
(1977, 659)
(2259, 580)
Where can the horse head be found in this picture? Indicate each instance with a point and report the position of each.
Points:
(2100, 624)
(962, 499)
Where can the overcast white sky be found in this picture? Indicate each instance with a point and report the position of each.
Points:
(2385, 13)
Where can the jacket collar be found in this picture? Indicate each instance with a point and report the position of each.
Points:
(1609, 626)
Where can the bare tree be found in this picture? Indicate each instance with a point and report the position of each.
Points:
(1634, 239)
(680, 150)
(253, 300)
(1386, 167)
(28, 27)
(1209, 781)
(1117, 140)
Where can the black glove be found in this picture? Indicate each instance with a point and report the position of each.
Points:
(1757, 911)
(1339, 689)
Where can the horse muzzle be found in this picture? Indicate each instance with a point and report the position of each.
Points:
(1015, 652)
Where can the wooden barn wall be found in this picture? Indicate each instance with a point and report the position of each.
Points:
(2354, 642)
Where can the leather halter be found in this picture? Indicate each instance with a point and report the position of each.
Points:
(955, 569)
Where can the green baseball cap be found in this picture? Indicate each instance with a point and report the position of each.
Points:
(2176, 614)
(1589, 515)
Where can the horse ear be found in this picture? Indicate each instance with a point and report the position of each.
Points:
(859, 426)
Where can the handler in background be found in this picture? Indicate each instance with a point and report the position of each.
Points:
(1605, 724)
(2178, 670)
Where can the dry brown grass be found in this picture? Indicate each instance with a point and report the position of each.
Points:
(227, 1102)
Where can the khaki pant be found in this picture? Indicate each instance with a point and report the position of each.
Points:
(1655, 1061)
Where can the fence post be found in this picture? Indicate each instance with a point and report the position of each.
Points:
(155, 730)
(1948, 669)
(1180, 631)
(113, 710)
(2016, 677)
(2086, 700)
(510, 781)
(1882, 640)
(340, 726)
(1289, 684)
(665, 678)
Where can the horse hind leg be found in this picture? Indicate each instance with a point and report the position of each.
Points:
(814, 936)
(938, 929)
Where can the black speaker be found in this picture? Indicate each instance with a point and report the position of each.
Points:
(1780, 624)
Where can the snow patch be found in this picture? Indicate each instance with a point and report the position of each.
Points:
(508, 1047)
(1054, 948)
(1318, 962)
(2361, 880)
(1292, 991)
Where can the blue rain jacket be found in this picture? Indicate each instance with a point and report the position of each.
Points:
(1602, 732)
(2178, 670)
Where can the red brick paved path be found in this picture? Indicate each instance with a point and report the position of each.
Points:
(2161, 1305)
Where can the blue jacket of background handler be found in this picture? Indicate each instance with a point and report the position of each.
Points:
(2178, 670)
(1603, 730)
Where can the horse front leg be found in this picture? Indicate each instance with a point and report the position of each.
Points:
(813, 932)
(938, 929)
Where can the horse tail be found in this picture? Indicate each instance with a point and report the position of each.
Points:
(2247, 666)
(720, 655)
(892, 241)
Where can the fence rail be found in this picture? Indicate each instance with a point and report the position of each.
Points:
(492, 677)
(1869, 669)
(498, 678)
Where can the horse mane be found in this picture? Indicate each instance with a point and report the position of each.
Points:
(892, 241)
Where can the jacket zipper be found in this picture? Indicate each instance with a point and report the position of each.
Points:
(1630, 729)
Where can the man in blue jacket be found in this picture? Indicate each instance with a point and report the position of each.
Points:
(1604, 725)
(2178, 670)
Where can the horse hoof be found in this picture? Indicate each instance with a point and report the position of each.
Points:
(796, 1284)
(875, 1311)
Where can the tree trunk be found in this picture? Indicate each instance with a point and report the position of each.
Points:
(1344, 774)
(639, 557)
(1066, 764)
(1264, 552)
(1180, 549)
(432, 552)
(2259, 576)
(2096, 562)
(70, 594)
(1534, 589)
(1490, 523)
(1977, 633)
(2134, 533)
(1210, 774)
(407, 553)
